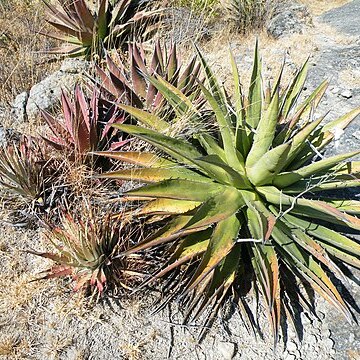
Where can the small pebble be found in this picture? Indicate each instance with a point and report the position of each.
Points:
(332, 352)
(347, 94)
(291, 346)
(351, 337)
(329, 343)
(356, 134)
(321, 315)
(226, 350)
(312, 339)
(335, 90)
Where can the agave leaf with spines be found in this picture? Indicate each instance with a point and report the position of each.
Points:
(249, 190)
(109, 25)
(85, 126)
(25, 171)
(87, 251)
(154, 86)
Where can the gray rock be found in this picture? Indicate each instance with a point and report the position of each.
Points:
(73, 66)
(312, 340)
(227, 350)
(18, 108)
(356, 134)
(347, 94)
(329, 343)
(46, 94)
(289, 19)
(291, 346)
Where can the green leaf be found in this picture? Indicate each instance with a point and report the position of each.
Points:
(300, 261)
(227, 134)
(168, 207)
(289, 178)
(265, 132)
(221, 243)
(210, 145)
(324, 234)
(255, 92)
(178, 189)
(308, 208)
(221, 172)
(181, 150)
(180, 102)
(150, 175)
(268, 166)
(139, 158)
(294, 90)
(146, 118)
(267, 271)
(215, 209)
(215, 88)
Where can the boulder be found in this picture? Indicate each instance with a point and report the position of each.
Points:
(289, 19)
(46, 94)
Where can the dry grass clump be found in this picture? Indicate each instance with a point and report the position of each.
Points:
(250, 15)
(22, 63)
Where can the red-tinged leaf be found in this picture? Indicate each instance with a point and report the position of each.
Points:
(268, 275)
(83, 104)
(56, 273)
(84, 14)
(117, 70)
(55, 257)
(106, 83)
(316, 250)
(69, 113)
(118, 144)
(172, 66)
(82, 280)
(99, 286)
(138, 80)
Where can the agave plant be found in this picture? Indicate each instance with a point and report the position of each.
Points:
(249, 192)
(110, 25)
(130, 84)
(24, 170)
(86, 125)
(87, 251)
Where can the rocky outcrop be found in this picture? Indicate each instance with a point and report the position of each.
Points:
(289, 19)
(46, 94)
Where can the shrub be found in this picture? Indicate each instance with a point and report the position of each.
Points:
(250, 14)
